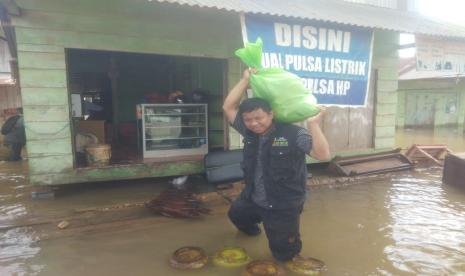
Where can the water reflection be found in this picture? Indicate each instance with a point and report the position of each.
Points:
(453, 137)
(427, 223)
(410, 224)
(17, 246)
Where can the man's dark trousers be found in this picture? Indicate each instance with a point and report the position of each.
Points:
(281, 226)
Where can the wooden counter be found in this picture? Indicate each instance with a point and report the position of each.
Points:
(96, 127)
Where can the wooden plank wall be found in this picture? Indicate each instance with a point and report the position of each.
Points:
(10, 97)
(353, 130)
(5, 58)
(48, 27)
(386, 63)
(461, 115)
(350, 129)
(235, 68)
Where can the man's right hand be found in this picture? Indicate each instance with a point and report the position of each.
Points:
(247, 72)
(232, 101)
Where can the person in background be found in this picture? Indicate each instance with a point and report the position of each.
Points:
(275, 171)
(15, 138)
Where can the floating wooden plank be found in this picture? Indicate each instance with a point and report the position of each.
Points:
(382, 162)
(425, 154)
(454, 169)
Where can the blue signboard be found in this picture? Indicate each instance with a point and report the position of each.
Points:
(333, 60)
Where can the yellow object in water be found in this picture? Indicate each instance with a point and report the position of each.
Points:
(306, 265)
(231, 257)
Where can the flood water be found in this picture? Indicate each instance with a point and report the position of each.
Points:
(407, 224)
(453, 137)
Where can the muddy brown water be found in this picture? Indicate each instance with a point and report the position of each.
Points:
(453, 137)
(408, 224)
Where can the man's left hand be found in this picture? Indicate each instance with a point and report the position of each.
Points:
(317, 118)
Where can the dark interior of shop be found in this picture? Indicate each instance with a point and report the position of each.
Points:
(107, 87)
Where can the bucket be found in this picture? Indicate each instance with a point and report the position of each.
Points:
(98, 155)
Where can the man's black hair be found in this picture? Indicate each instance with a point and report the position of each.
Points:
(253, 104)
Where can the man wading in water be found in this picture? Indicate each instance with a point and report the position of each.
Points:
(274, 168)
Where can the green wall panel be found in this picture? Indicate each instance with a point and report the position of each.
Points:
(400, 118)
(134, 171)
(216, 122)
(386, 61)
(461, 116)
(430, 102)
(47, 28)
(44, 96)
(42, 78)
(385, 131)
(385, 120)
(39, 148)
(384, 142)
(387, 98)
(37, 60)
(55, 113)
(388, 73)
(215, 139)
(50, 164)
(141, 26)
(386, 109)
(40, 48)
(46, 130)
(387, 85)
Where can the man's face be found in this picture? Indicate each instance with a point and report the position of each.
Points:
(258, 121)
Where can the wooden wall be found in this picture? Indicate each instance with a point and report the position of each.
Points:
(48, 27)
(10, 97)
(386, 63)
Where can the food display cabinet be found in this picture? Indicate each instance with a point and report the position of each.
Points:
(170, 130)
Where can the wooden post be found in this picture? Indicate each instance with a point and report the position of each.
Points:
(113, 74)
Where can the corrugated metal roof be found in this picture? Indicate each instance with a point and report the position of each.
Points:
(336, 11)
(378, 3)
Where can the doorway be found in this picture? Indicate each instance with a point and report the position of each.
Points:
(107, 87)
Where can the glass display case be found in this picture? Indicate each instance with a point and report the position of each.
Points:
(173, 129)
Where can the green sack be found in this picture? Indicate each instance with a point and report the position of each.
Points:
(290, 100)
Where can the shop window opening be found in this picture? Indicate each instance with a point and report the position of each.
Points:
(135, 108)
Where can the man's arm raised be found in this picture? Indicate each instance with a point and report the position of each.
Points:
(232, 101)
